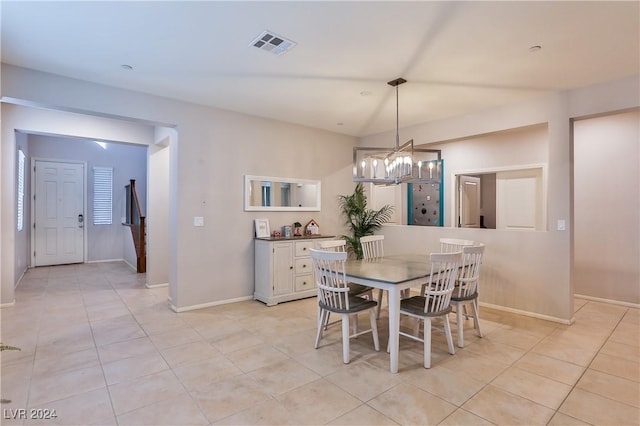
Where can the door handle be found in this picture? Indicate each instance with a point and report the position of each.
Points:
(80, 221)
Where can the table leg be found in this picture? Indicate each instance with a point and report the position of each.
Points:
(394, 328)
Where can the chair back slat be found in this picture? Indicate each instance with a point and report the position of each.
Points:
(452, 245)
(372, 246)
(329, 273)
(469, 275)
(333, 245)
(444, 270)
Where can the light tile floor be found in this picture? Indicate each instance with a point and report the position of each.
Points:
(101, 349)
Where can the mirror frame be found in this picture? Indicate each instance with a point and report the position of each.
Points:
(247, 191)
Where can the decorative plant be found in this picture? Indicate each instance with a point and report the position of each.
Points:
(361, 220)
(4, 347)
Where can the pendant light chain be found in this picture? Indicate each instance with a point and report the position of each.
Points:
(397, 120)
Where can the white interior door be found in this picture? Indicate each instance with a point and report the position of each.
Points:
(468, 202)
(59, 213)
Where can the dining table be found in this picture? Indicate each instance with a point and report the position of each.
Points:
(392, 273)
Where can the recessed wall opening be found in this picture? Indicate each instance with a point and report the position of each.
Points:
(507, 199)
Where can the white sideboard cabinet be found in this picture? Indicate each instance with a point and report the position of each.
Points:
(283, 269)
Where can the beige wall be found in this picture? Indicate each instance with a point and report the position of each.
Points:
(37, 120)
(504, 150)
(606, 205)
(527, 272)
(524, 271)
(211, 153)
(511, 276)
(158, 165)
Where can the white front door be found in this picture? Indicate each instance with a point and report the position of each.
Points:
(468, 202)
(59, 213)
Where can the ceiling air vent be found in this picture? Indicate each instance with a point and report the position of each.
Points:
(272, 43)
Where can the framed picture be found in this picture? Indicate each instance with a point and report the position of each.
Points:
(262, 228)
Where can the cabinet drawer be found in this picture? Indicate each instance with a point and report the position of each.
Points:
(304, 266)
(303, 247)
(304, 282)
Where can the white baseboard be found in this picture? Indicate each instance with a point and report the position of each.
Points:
(147, 285)
(130, 265)
(528, 314)
(114, 260)
(208, 305)
(20, 280)
(7, 305)
(611, 302)
(104, 261)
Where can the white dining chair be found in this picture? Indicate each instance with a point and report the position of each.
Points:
(465, 293)
(333, 297)
(354, 289)
(451, 245)
(373, 248)
(434, 303)
(341, 246)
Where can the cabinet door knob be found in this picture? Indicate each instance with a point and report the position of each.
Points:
(290, 267)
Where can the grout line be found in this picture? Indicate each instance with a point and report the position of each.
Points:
(86, 289)
(573, 387)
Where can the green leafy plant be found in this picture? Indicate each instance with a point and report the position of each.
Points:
(4, 347)
(360, 219)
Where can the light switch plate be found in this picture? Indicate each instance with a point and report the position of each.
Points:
(561, 225)
(198, 221)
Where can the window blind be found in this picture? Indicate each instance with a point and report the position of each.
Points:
(20, 215)
(102, 195)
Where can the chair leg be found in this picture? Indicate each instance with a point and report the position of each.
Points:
(459, 325)
(476, 317)
(427, 343)
(374, 330)
(466, 313)
(379, 308)
(321, 325)
(345, 338)
(447, 332)
(326, 321)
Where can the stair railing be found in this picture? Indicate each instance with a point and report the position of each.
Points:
(136, 222)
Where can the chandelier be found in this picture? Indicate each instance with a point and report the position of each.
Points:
(401, 164)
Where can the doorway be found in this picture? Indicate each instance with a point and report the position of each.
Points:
(469, 195)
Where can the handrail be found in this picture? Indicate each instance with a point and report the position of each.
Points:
(136, 222)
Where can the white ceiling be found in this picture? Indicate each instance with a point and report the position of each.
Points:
(458, 57)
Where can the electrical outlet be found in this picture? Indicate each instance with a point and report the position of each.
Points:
(562, 225)
(198, 221)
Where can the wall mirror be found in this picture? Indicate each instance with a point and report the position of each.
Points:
(281, 194)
